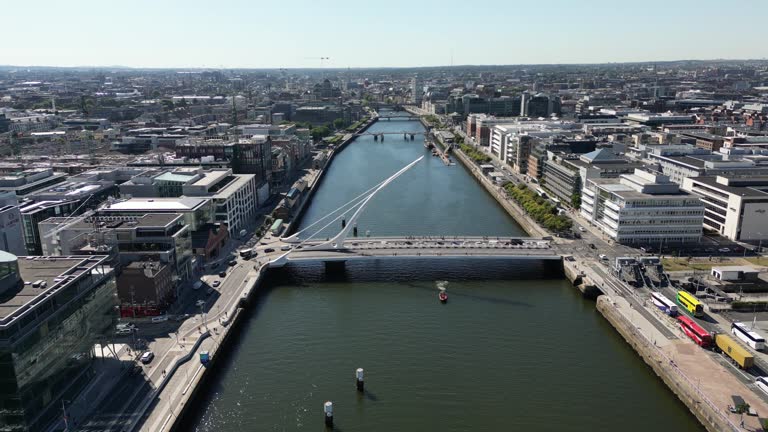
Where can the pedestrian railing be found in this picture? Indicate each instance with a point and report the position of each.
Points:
(680, 377)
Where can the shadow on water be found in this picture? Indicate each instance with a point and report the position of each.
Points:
(488, 299)
(419, 270)
(369, 395)
(410, 272)
(495, 300)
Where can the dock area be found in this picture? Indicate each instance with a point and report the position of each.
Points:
(442, 153)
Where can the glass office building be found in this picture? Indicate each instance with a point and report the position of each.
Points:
(48, 328)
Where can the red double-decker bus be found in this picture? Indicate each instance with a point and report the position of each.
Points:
(695, 331)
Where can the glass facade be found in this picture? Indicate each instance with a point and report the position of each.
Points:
(46, 356)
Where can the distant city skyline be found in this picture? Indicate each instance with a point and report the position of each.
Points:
(297, 34)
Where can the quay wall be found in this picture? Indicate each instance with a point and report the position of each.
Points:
(511, 207)
(709, 416)
(206, 374)
(580, 280)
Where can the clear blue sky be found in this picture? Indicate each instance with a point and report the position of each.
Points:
(360, 33)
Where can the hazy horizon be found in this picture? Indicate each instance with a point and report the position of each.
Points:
(332, 68)
(236, 34)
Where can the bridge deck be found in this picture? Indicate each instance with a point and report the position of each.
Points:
(376, 254)
(433, 247)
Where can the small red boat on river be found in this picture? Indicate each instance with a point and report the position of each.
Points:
(443, 297)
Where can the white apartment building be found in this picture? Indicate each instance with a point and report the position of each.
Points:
(511, 142)
(642, 208)
(234, 195)
(735, 208)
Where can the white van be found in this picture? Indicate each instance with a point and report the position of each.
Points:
(603, 257)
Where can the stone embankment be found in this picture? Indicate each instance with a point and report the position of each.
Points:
(580, 280)
(497, 192)
(665, 368)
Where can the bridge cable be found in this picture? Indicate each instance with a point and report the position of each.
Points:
(331, 222)
(359, 197)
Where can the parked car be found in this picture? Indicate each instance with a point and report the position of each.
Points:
(159, 319)
(232, 263)
(200, 303)
(582, 229)
(147, 357)
(268, 250)
(285, 248)
(223, 273)
(216, 283)
(603, 257)
(123, 331)
(724, 250)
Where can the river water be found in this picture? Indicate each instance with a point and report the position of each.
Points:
(516, 348)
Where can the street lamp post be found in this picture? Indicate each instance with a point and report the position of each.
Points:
(64, 412)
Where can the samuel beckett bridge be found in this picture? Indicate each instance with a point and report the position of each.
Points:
(349, 245)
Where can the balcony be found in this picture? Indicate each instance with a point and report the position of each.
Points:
(612, 205)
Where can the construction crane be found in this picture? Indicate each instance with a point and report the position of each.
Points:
(322, 59)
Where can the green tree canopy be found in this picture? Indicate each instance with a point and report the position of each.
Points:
(320, 132)
(339, 123)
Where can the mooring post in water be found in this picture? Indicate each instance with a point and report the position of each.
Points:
(354, 230)
(328, 410)
(343, 223)
(360, 381)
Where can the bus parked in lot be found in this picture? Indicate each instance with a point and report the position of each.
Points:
(662, 302)
(690, 303)
(749, 337)
(695, 331)
(736, 352)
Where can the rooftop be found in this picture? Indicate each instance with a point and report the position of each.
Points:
(742, 190)
(743, 268)
(157, 204)
(57, 272)
(149, 220)
(172, 177)
(212, 177)
(231, 187)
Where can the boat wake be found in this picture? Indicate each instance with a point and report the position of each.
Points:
(442, 285)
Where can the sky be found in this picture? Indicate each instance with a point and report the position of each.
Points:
(360, 33)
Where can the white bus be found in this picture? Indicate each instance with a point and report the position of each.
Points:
(762, 384)
(754, 340)
(666, 305)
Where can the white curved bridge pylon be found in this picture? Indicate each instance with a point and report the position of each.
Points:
(358, 203)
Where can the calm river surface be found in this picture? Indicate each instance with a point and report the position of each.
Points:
(516, 348)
